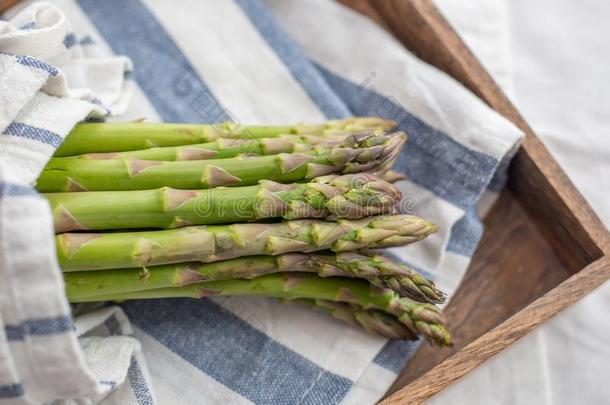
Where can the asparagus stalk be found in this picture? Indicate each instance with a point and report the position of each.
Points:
(357, 153)
(223, 148)
(117, 137)
(421, 318)
(348, 196)
(96, 251)
(372, 320)
(391, 176)
(377, 269)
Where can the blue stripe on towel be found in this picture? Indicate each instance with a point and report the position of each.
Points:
(234, 353)
(38, 327)
(37, 63)
(395, 354)
(11, 391)
(500, 177)
(38, 134)
(466, 234)
(33, 62)
(431, 158)
(70, 40)
(111, 384)
(138, 383)
(28, 26)
(113, 325)
(16, 190)
(291, 55)
(168, 79)
(87, 40)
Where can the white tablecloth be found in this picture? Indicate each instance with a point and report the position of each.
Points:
(553, 59)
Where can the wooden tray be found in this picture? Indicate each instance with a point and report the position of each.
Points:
(543, 248)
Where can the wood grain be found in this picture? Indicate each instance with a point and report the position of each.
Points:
(505, 334)
(367, 8)
(6, 4)
(498, 283)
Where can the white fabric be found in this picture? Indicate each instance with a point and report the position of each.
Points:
(114, 356)
(47, 85)
(260, 105)
(553, 58)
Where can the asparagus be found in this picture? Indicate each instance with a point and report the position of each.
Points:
(117, 137)
(96, 251)
(392, 176)
(347, 196)
(223, 148)
(377, 269)
(356, 153)
(421, 318)
(372, 320)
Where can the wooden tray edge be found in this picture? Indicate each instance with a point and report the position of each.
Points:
(479, 351)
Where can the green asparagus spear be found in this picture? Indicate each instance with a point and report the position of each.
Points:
(424, 319)
(379, 270)
(372, 320)
(96, 251)
(117, 137)
(348, 196)
(359, 152)
(223, 148)
(391, 176)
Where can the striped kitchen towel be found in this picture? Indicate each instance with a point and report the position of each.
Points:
(252, 61)
(47, 85)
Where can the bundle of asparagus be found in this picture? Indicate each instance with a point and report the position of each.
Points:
(290, 212)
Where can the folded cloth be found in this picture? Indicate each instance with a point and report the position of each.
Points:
(279, 62)
(44, 91)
